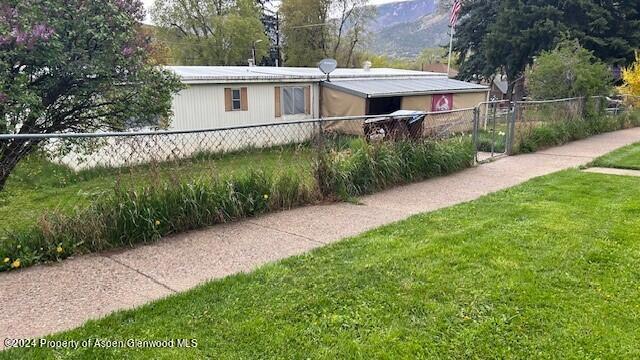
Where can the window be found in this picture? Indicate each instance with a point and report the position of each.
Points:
(236, 100)
(293, 100)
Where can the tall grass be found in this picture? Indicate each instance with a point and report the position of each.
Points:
(365, 168)
(142, 215)
(344, 168)
(540, 136)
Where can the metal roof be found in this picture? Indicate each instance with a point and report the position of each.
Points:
(371, 88)
(222, 74)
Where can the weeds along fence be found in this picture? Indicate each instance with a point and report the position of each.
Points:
(533, 125)
(87, 192)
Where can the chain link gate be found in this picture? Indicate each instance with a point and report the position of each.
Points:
(493, 129)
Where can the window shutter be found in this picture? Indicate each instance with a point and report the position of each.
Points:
(277, 101)
(307, 100)
(244, 105)
(227, 99)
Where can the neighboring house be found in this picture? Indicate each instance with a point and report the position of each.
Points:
(499, 88)
(221, 96)
(439, 67)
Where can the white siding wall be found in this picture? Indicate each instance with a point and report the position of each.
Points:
(202, 106)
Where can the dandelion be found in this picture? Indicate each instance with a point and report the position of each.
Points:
(501, 133)
(157, 222)
(15, 264)
(266, 196)
(6, 260)
(59, 249)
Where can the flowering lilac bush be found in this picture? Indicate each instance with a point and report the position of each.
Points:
(75, 65)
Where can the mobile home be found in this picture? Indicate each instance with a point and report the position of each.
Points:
(222, 96)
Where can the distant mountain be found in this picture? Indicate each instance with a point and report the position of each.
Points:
(404, 28)
(394, 13)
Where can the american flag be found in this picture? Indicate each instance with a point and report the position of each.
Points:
(455, 12)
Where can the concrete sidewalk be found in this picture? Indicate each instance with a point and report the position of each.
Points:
(45, 299)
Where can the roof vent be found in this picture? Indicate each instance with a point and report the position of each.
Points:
(366, 66)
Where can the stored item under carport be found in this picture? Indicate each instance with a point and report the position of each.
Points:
(402, 124)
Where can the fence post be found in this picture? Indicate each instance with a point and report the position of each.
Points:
(476, 125)
(512, 129)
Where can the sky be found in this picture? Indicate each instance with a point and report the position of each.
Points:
(148, 3)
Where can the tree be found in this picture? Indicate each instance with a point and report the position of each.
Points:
(568, 71)
(211, 32)
(74, 65)
(608, 28)
(271, 22)
(507, 39)
(311, 33)
(504, 36)
(476, 18)
(631, 77)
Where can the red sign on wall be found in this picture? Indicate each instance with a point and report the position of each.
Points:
(442, 102)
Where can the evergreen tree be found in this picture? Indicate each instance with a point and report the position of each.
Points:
(504, 36)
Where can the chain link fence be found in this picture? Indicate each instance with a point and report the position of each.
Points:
(538, 124)
(70, 171)
(89, 192)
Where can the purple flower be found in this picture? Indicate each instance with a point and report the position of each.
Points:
(8, 13)
(3, 97)
(127, 51)
(20, 36)
(42, 31)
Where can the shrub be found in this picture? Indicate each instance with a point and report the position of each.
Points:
(568, 71)
(631, 77)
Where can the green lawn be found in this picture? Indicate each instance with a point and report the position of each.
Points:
(548, 269)
(38, 185)
(627, 157)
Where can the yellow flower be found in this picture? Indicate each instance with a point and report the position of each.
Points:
(266, 196)
(59, 249)
(6, 260)
(19, 246)
(15, 264)
(157, 222)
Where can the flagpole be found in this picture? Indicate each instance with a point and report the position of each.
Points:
(450, 50)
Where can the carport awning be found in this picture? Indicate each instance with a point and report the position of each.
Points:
(403, 87)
